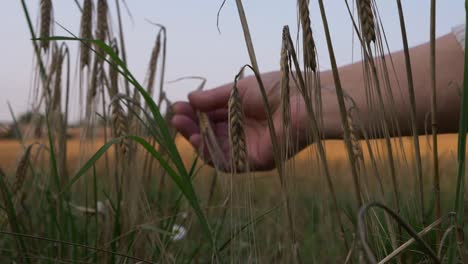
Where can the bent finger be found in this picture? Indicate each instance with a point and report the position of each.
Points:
(209, 100)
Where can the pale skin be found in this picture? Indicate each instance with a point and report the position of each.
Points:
(449, 69)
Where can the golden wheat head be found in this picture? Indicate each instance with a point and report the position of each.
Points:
(308, 39)
(58, 81)
(284, 69)
(236, 132)
(367, 20)
(102, 23)
(153, 63)
(118, 117)
(46, 22)
(86, 32)
(21, 170)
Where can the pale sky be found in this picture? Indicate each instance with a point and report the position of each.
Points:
(194, 45)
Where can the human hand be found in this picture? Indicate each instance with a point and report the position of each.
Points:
(214, 102)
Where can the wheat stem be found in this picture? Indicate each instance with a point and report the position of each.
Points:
(316, 130)
(276, 150)
(412, 98)
(342, 106)
(435, 155)
(122, 43)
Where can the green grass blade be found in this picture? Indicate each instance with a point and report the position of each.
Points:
(184, 184)
(460, 187)
(462, 138)
(11, 213)
(254, 221)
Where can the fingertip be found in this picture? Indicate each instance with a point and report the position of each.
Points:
(184, 108)
(177, 106)
(194, 98)
(175, 121)
(194, 93)
(195, 140)
(184, 125)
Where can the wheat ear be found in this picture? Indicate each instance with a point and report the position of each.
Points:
(21, 170)
(102, 23)
(86, 32)
(236, 132)
(308, 39)
(46, 22)
(285, 95)
(119, 121)
(357, 149)
(153, 63)
(367, 20)
(57, 95)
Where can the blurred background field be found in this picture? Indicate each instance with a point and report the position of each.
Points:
(11, 151)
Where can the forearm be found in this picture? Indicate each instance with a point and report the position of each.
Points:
(449, 73)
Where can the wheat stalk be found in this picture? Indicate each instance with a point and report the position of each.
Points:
(86, 32)
(271, 127)
(52, 69)
(435, 155)
(367, 20)
(93, 85)
(46, 23)
(285, 94)
(122, 43)
(119, 120)
(369, 63)
(308, 39)
(236, 132)
(101, 34)
(284, 69)
(314, 127)
(342, 107)
(412, 98)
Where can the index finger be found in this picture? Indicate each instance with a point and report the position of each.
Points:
(210, 100)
